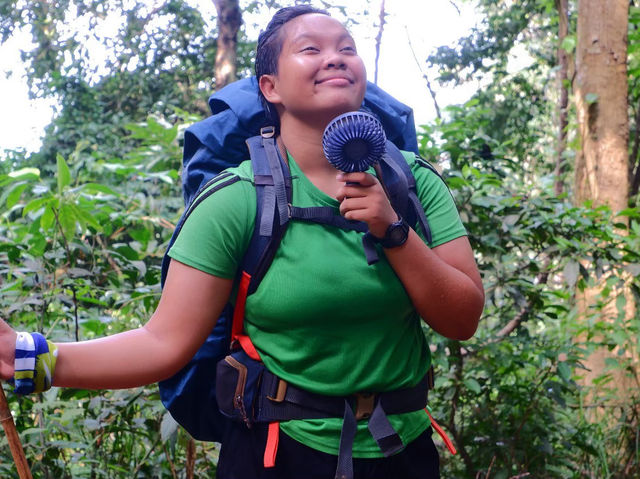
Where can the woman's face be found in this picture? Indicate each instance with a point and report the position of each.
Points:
(320, 74)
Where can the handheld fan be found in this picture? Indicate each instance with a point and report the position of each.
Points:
(354, 141)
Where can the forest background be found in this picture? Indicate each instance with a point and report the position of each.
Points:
(544, 163)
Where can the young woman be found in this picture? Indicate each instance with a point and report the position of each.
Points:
(322, 319)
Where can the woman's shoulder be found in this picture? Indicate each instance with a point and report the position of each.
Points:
(235, 182)
(422, 170)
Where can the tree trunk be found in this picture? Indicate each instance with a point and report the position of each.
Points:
(601, 100)
(229, 21)
(563, 100)
(602, 168)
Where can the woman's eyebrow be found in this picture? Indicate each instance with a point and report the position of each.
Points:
(312, 36)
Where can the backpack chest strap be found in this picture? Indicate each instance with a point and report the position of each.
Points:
(325, 215)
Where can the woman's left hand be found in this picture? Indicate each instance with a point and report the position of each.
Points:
(363, 199)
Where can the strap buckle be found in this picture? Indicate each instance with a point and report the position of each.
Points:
(267, 131)
(365, 403)
(280, 392)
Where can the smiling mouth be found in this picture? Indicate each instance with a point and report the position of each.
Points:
(335, 80)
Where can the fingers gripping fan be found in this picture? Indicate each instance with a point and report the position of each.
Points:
(354, 141)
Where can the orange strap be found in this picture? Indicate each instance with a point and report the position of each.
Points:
(271, 449)
(442, 434)
(249, 348)
(238, 314)
(237, 326)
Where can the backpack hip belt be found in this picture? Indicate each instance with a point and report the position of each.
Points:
(247, 392)
(280, 401)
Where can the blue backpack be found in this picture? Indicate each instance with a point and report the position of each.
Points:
(237, 131)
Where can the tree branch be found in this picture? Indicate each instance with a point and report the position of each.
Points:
(379, 41)
(425, 76)
(456, 354)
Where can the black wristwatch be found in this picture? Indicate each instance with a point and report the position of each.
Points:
(396, 234)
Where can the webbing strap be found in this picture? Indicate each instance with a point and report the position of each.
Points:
(273, 157)
(248, 347)
(422, 218)
(401, 175)
(440, 431)
(345, 454)
(237, 326)
(271, 448)
(326, 215)
(383, 432)
(369, 245)
(395, 160)
(268, 210)
(238, 312)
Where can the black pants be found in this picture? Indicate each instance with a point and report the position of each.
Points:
(242, 453)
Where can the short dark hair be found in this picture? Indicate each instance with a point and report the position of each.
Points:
(270, 46)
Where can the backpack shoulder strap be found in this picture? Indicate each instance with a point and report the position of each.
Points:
(273, 195)
(401, 185)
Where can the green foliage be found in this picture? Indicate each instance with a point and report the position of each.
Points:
(509, 395)
(79, 254)
(160, 58)
(84, 224)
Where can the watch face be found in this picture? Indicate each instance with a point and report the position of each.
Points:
(397, 234)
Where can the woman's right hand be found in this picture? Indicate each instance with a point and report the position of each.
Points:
(7, 350)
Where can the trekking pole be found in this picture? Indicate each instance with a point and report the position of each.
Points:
(12, 437)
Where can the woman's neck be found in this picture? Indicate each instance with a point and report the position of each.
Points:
(304, 143)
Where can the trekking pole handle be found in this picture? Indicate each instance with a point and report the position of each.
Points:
(12, 437)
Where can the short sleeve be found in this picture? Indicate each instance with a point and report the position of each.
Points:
(439, 207)
(216, 235)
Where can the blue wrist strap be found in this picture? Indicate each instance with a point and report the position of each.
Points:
(34, 363)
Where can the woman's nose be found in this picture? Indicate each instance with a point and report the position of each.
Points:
(335, 60)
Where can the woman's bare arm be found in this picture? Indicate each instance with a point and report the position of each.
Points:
(443, 283)
(188, 309)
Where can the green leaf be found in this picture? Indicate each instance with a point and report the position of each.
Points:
(48, 219)
(473, 385)
(67, 219)
(15, 195)
(630, 212)
(564, 370)
(34, 205)
(569, 43)
(98, 188)
(23, 174)
(591, 98)
(64, 175)
(168, 427)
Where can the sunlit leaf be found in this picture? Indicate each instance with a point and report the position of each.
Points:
(64, 175)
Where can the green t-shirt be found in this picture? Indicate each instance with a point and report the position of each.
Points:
(322, 318)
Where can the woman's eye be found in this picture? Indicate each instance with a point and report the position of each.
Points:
(349, 49)
(309, 49)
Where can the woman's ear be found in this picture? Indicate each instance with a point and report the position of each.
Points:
(268, 87)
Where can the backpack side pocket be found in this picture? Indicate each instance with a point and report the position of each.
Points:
(237, 378)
